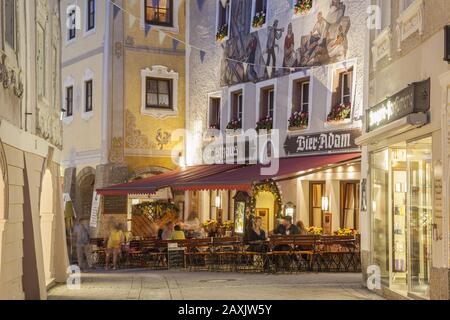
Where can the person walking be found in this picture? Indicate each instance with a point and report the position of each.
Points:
(81, 234)
(115, 240)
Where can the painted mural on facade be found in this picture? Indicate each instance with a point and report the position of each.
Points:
(284, 43)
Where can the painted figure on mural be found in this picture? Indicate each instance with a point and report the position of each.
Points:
(289, 48)
(274, 34)
(317, 40)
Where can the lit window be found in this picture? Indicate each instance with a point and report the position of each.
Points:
(159, 12)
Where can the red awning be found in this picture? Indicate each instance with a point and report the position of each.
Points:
(242, 178)
(168, 179)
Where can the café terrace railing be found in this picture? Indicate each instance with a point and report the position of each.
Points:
(288, 254)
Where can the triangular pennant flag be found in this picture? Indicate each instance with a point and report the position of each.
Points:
(116, 10)
(202, 55)
(269, 71)
(162, 36)
(200, 4)
(245, 65)
(175, 43)
(131, 21)
(224, 3)
(148, 27)
(292, 69)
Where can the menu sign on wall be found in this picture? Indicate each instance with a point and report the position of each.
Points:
(413, 99)
(322, 142)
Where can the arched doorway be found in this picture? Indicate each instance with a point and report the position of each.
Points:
(47, 215)
(84, 194)
(266, 203)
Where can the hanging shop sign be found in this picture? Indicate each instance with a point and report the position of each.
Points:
(336, 141)
(413, 99)
(94, 210)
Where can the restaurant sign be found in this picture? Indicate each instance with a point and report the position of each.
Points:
(335, 141)
(413, 99)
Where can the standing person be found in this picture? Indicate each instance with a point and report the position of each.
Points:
(289, 51)
(81, 234)
(274, 34)
(115, 240)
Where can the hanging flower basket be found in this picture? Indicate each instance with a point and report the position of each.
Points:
(265, 124)
(259, 20)
(222, 33)
(303, 7)
(298, 121)
(340, 113)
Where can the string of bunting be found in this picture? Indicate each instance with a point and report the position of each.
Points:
(202, 52)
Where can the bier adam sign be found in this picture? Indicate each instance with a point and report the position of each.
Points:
(336, 141)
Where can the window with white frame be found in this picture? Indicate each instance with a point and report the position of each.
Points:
(237, 108)
(385, 11)
(69, 101)
(342, 97)
(88, 92)
(71, 34)
(159, 92)
(301, 95)
(223, 19)
(259, 13)
(214, 113)
(10, 23)
(90, 15)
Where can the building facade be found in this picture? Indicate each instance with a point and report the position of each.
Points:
(33, 254)
(296, 67)
(405, 159)
(124, 85)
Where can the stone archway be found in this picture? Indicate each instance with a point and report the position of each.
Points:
(47, 215)
(84, 193)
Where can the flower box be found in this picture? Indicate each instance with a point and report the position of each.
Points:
(259, 20)
(265, 124)
(235, 124)
(303, 7)
(298, 121)
(340, 113)
(222, 33)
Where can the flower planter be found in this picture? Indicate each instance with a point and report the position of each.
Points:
(298, 128)
(302, 7)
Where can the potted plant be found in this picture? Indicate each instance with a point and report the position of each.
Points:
(345, 232)
(222, 33)
(234, 124)
(302, 7)
(265, 124)
(316, 231)
(228, 226)
(340, 112)
(298, 121)
(259, 20)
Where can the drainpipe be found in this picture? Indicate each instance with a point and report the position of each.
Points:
(106, 80)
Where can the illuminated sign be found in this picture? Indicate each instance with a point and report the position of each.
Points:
(413, 99)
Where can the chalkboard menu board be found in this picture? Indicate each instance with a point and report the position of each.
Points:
(176, 258)
(115, 204)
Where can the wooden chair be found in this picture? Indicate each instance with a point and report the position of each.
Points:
(198, 254)
(281, 253)
(252, 256)
(305, 250)
(225, 253)
(337, 253)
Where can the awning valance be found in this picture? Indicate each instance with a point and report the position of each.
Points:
(168, 179)
(242, 178)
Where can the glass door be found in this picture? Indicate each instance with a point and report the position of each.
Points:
(420, 210)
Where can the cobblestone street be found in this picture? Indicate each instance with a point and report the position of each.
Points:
(144, 285)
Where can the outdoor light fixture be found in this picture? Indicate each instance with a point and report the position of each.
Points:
(325, 204)
(289, 209)
(135, 202)
(218, 202)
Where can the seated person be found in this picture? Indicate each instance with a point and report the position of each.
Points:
(177, 234)
(286, 227)
(257, 234)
